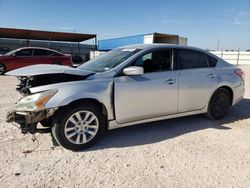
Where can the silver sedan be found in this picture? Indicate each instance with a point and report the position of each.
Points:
(126, 86)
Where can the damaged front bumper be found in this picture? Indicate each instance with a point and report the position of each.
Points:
(27, 121)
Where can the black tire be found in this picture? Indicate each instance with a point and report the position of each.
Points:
(61, 120)
(57, 63)
(219, 104)
(46, 122)
(2, 69)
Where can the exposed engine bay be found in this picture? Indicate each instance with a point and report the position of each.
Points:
(40, 80)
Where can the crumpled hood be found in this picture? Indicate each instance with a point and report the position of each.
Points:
(47, 69)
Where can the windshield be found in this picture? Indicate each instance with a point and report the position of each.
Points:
(11, 52)
(108, 60)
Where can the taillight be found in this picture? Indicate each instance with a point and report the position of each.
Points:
(240, 73)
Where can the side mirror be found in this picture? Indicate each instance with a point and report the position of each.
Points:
(133, 71)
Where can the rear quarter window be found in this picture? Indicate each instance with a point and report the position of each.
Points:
(51, 53)
(211, 61)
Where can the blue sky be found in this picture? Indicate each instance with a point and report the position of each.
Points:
(204, 22)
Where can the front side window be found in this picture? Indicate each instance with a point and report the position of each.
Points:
(189, 59)
(108, 60)
(26, 52)
(155, 61)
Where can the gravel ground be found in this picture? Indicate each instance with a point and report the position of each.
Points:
(184, 152)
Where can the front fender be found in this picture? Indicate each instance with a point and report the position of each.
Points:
(72, 91)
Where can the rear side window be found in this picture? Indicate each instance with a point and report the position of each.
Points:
(211, 61)
(40, 52)
(189, 59)
(51, 53)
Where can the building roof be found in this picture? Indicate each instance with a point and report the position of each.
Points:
(109, 44)
(44, 35)
(140, 35)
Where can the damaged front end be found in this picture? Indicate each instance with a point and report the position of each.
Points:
(30, 109)
(27, 121)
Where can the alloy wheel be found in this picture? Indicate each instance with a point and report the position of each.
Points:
(81, 127)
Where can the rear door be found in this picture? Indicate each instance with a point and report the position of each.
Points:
(197, 79)
(41, 56)
(150, 95)
(58, 59)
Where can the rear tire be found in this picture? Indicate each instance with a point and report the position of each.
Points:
(57, 63)
(2, 69)
(219, 104)
(78, 126)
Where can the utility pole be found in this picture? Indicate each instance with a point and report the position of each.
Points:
(238, 57)
(218, 45)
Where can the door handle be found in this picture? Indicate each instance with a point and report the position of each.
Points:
(211, 75)
(170, 81)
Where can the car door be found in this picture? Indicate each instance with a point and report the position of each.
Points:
(41, 56)
(21, 58)
(196, 79)
(150, 95)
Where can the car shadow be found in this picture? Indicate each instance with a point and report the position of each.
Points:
(158, 131)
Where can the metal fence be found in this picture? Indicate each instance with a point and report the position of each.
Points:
(234, 57)
(65, 47)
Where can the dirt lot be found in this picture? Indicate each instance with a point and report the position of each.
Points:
(185, 152)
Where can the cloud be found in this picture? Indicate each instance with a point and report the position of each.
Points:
(242, 18)
(239, 22)
(230, 11)
(238, 17)
(243, 13)
(66, 28)
(213, 21)
(176, 22)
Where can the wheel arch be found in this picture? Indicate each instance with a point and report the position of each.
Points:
(90, 101)
(229, 89)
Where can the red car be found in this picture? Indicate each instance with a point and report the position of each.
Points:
(31, 56)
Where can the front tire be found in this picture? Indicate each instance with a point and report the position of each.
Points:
(78, 127)
(2, 69)
(46, 122)
(219, 104)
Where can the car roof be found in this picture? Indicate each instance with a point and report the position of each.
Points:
(39, 48)
(157, 46)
